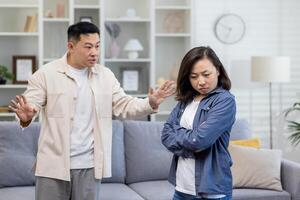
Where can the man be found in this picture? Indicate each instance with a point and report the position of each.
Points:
(77, 98)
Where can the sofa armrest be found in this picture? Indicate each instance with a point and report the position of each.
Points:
(290, 177)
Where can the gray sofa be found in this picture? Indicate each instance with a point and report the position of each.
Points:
(140, 165)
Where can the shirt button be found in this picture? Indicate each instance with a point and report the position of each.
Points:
(72, 118)
(74, 98)
(194, 140)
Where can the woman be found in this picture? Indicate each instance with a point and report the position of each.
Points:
(197, 131)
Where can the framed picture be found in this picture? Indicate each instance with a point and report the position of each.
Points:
(86, 19)
(23, 68)
(131, 79)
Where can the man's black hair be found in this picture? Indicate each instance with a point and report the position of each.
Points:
(75, 30)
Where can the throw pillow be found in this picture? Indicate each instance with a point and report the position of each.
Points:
(255, 168)
(252, 142)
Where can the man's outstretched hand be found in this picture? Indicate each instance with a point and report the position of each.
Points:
(156, 97)
(24, 111)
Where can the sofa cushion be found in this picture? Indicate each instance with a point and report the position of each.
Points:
(260, 194)
(17, 154)
(240, 130)
(154, 190)
(255, 168)
(146, 158)
(17, 193)
(113, 191)
(251, 142)
(118, 157)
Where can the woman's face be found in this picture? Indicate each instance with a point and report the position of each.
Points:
(204, 76)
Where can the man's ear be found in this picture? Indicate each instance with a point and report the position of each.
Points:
(70, 45)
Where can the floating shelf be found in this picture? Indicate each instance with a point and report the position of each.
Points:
(172, 35)
(15, 86)
(18, 34)
(127, 60)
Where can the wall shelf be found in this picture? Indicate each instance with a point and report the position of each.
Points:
(12, 86)
(128, 60)
(127, 19)
(173, 35)
(19, 34)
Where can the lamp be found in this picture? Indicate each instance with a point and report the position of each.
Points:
(270, 69)
(133, 46)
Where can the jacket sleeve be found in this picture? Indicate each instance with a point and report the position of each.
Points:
(35, 93)
(169, 135)
(220, 119)
(125, 106)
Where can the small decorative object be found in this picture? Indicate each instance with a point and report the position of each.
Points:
(293, 126)
(113, 30)
(130, 79)
(31, 23)
(174, 22)
(230, 28)
(49, 14)
(86, 19)
(4, 109)
(131, 12)
(133, 46)
(23, 68)
(4, 75)
(60, 9)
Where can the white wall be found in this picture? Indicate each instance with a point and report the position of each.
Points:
(272, 28)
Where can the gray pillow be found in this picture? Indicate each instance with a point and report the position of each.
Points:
(118, 160)
(146, 158)
(17, 154)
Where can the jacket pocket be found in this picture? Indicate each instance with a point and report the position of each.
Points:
(56, 104)
(104, 105)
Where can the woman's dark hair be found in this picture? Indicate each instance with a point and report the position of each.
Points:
(184, 91)
(75, 30)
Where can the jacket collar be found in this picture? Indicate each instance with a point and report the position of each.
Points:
(63, 68)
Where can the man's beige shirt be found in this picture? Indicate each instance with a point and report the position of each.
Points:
(53, 92)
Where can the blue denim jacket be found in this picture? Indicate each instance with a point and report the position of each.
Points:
(207, 142)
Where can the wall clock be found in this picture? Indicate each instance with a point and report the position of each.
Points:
(230, 28)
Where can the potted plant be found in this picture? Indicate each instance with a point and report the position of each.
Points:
(4, 75)
(293, 126)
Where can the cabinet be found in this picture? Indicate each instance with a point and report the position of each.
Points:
(162, 27)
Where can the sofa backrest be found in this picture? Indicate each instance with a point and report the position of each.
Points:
(17, 154)
(18, 151)
(118, 154)
(146, 158)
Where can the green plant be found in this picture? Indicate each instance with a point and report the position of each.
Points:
(293, 126)
(4, 73)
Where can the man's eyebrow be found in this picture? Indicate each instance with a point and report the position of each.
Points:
(88, 43)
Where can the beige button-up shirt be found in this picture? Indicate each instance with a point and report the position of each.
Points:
(53, 92)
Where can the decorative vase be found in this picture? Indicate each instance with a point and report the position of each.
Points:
(114, 49)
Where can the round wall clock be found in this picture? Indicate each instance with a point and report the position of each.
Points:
(230, 28)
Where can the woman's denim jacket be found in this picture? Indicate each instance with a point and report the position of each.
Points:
(207, 142)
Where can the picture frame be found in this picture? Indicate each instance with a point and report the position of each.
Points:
(131, 79)
(86, 19)
(23, 68)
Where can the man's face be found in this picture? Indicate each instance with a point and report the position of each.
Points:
(85, 52)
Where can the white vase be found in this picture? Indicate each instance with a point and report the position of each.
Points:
(114, 49)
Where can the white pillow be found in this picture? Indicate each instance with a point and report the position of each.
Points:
(255, 168)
